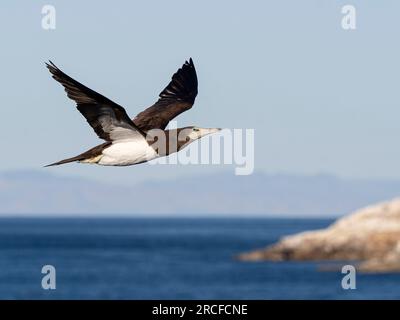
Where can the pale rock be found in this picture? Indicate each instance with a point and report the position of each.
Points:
(370, 235)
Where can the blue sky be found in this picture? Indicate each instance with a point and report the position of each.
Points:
(320, 98)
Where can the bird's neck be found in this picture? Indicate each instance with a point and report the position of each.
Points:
(166, 142)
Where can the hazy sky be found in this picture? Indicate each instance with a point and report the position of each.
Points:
(320, 98)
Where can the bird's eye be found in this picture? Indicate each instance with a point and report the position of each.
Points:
(195, 129)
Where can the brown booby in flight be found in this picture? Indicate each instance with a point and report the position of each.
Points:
(129, 142)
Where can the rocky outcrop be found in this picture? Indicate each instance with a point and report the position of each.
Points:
(370, 236)
(388, 263)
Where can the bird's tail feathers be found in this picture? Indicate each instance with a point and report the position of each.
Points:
(73, 159)
(93, 155)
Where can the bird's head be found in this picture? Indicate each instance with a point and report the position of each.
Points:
(190, 134)
(174, 140)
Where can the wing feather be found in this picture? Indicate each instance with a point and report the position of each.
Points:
(108, 119)
(176, 98)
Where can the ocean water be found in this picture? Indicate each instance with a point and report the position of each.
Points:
(104, 258)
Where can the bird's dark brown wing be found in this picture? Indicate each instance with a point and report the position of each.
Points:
(176, 98)
(108, 119)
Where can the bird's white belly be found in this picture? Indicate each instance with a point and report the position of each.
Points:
(126, 153)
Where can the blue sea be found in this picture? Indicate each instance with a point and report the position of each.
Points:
(166, 258)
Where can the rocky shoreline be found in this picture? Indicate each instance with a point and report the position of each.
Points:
(370, 236)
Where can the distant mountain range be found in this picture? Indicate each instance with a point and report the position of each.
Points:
(38, 193)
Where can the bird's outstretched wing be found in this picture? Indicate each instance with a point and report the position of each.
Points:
(108, 119)
(176, 98)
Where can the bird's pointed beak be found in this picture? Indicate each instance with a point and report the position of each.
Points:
(211, 131)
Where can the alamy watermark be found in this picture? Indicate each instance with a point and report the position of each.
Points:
(349, 280)
(349, 17)
(216, 146)
(49, 280)
(48, 17)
